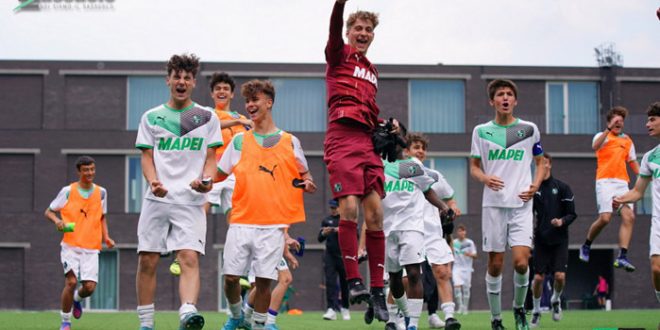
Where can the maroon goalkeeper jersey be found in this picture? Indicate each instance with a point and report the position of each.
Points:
(351, 80)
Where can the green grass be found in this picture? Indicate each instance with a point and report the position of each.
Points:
(640, 319)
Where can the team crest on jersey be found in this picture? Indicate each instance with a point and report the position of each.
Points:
(555, 191)
(196, 119)
(337, 187)
(412, 169)
(520, 133)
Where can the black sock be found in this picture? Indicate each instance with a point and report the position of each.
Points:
(375, 290)
(587, 242)
(623, 252)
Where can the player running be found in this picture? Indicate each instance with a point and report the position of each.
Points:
(465, 252)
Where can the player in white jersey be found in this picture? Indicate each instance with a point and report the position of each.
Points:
(465, 251)
(650, 172)
(177, 140)
(500, 158)
(407, 184)
(437, 267)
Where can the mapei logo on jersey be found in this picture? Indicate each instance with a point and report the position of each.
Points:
(399, 185)
(180, 143)
(362, 73)
(504, 154)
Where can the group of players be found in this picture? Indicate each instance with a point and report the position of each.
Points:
(259, 174)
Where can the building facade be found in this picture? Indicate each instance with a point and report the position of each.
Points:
(53, 112)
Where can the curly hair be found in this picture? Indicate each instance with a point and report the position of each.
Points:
(185, 62)
(417, 137)
(496, 84)
(616, 111)
(364, 15)
(222, 77)
(256, 86)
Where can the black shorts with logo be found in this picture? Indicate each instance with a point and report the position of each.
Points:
(549, 259)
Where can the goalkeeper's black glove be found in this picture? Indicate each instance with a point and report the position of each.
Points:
(385, 142)
(447, 220)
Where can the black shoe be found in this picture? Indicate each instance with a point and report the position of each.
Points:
(390, 326)
(496, 325)
(520, 316)
(452, 324)
(357, 293)
(369, 314)
(378, 304)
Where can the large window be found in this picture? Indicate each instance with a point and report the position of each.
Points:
(454, 169)
(437, 106)
(572, 108)
(300, 104)
(105, 295)
(144, 93)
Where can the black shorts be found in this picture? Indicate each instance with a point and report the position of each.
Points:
(549, 259)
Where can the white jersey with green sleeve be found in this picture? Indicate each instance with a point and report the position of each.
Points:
(650, 168)
(432, 224)
(406, 180)
(460, 248)
(506, 152)
(179, 139)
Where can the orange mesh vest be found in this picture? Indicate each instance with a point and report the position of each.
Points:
(612, 158)
(264, 193)
(227, 133)
(87, 215)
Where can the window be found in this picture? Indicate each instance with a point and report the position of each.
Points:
(437, 106)
(105, 295)
(144, 93)
(135, 184)
(645, 205)
(300, 104)
(454, 169)
(572, 108)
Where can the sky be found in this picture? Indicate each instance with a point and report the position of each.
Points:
(460, 32)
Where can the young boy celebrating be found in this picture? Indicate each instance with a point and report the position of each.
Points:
(83, 205)
(501, 157)
(271, 174)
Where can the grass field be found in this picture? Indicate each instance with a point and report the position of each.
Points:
(625, 319)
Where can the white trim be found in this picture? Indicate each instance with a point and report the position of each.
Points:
(465, 154)
(15, 245)
(312, 247)
(158, 73)
(637, 79)
(270, 74)
(33, 151)
(566, 96)
(548, 77)
(42, 72)
(434, 76)
(81, 151)
(594, 246)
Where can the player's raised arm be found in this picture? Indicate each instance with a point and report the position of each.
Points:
(335, 40)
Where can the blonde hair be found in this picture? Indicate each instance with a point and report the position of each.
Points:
(364, 15)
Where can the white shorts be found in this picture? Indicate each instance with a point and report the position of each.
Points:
(259, 248)
(281, 266)
(461, 276)
(403, 247)
(437, 250)
(165, 227)
(606, 190)
(654, 240)
(221, 194)
(84, 263)
(501, 225)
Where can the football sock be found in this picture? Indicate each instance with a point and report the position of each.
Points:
(146, 315)
(402, 303)
(623, 253)
(66, 317)
(448, 309)
(458, 296)
(415, 310)
(556, 295)
(259, 320)
(76, 296)
(349, 245)
(494, 288)
(537, 304)
(466, 298)
(186, 309)
(587, 242)
(392, 309)
(235, 309)
(248, 310)
(520, 284)
(375, 243)
(271, 317)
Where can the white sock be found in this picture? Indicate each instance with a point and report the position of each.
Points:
(448, 309)
(76, 296)
(466, 298)
(186, 309)
(259, 320)
(657, 294)
(402, 303)
(392, 311)
(494, 289)
(520, 285)
(146, 315)
(235, 309)
(247, 312)
(537, 304)
(271, 317)
(415, 310)
(66, 317)
(556, 295)
(458, 296)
